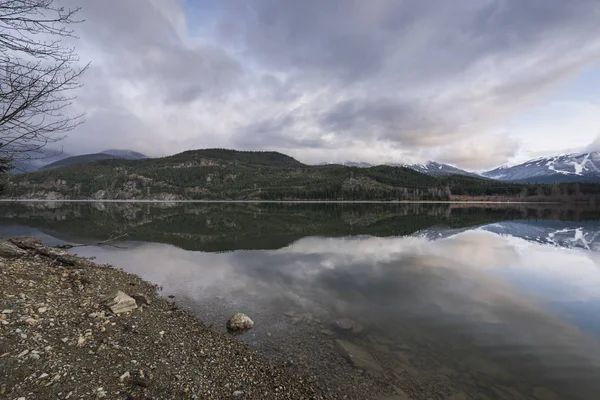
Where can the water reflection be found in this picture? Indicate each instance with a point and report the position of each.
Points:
(484, 308)
(462, 305)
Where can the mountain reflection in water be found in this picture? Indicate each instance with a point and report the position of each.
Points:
(455, 303)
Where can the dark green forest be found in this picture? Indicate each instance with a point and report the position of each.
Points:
(219, 174)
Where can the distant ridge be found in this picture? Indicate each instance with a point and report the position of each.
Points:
(125, 154)
(431, 168)
(88, 158)
(82, 159)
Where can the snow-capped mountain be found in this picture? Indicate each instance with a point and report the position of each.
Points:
(357, 164)
(434, 168)
(562, 168)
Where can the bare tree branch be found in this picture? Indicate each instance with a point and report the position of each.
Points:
(38, 73)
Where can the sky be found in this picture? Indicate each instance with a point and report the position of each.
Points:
(473, 83)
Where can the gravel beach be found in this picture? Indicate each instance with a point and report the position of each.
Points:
(60, 340)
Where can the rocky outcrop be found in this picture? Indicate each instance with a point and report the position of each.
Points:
(240, 322)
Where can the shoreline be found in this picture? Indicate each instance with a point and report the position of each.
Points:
(60, 341)
(286, 201)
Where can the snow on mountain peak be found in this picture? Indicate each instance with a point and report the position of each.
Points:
(564, 167)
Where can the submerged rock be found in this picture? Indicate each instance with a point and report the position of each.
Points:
(359, 357)
(347, 324)
(240, 322)
(120, 303)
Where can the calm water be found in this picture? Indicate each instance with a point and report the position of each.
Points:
(433, 301)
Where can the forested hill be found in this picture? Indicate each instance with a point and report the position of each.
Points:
(218, 174)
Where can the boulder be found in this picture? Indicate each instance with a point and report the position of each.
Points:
(9, 250)
(240, 322)
(120, 303)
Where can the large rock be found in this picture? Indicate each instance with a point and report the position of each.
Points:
(240, 322)
(120, 303)
(359, 357)
(9, 250)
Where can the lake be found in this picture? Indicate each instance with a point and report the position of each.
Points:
(430, 301)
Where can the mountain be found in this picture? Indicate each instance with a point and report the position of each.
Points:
(356, 164)
(434, 168)
(46, 158)
(220, 174)
(579, 167)
(82, 159)
(125, 154)
(88, 158)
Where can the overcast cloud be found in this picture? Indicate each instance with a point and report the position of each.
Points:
(383, 80)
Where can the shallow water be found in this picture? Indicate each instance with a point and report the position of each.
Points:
(432, 301)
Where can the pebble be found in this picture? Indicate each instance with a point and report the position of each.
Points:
(44, 375)
(140, 381)
(237, 394)
(124, 376)
(23, 353)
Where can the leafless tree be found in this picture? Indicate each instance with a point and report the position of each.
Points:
(38, 74)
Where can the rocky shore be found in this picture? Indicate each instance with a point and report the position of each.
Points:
(61, 337)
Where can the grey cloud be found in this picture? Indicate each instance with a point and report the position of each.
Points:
(143, 46)
(280, 132)
(349, 39)
(427, 78)
(595, 145)
(406, 121)
(422, 75)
